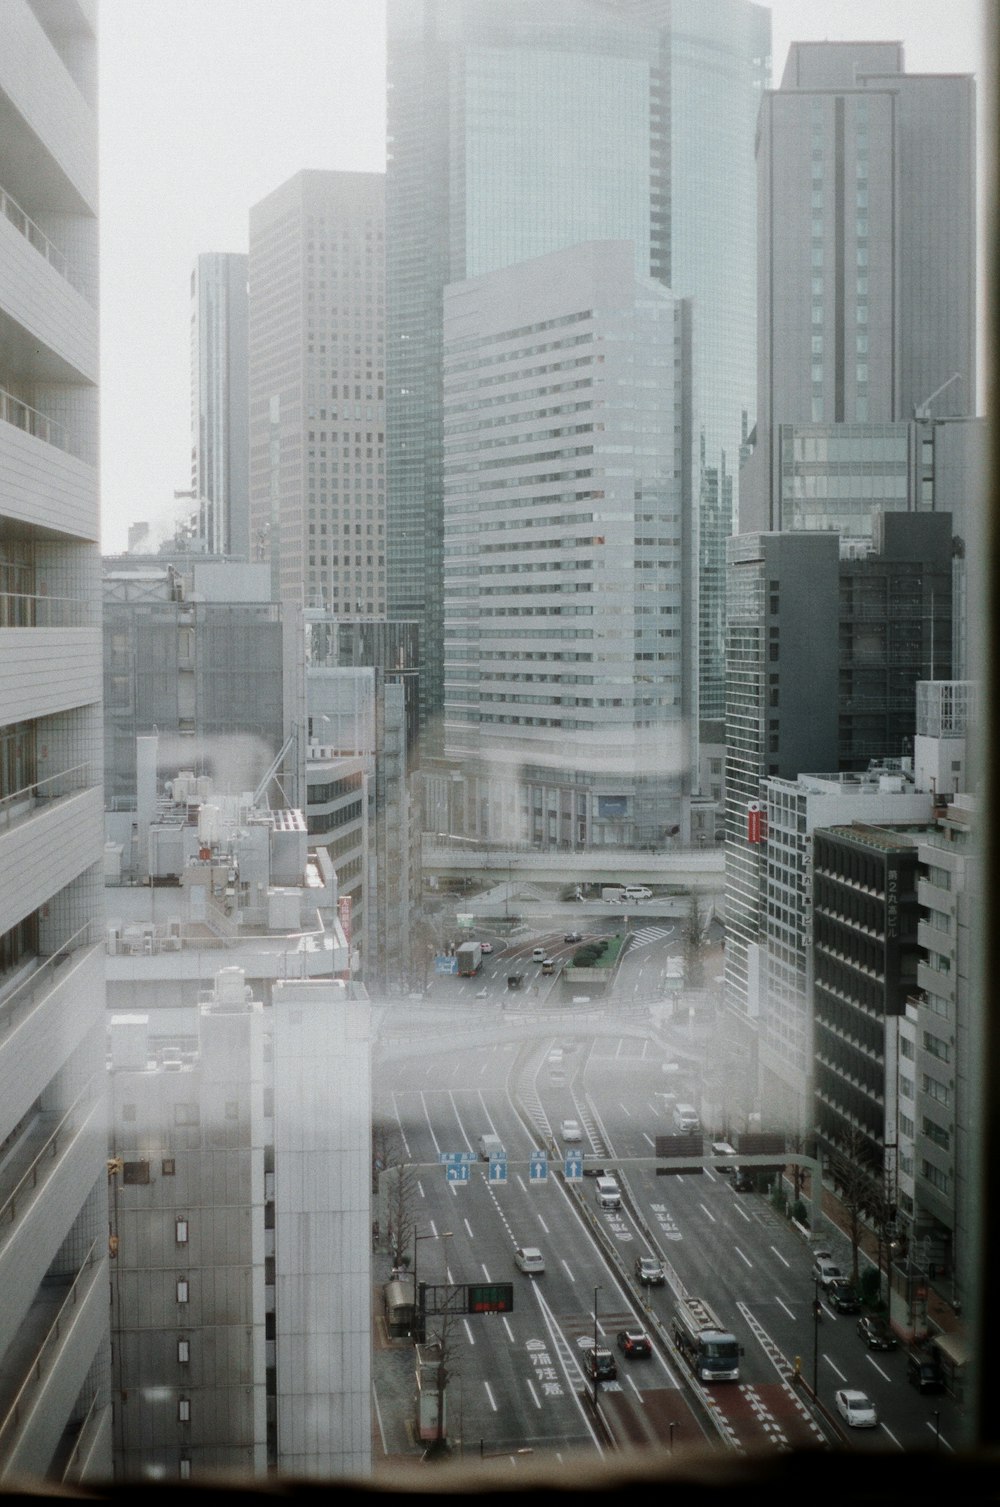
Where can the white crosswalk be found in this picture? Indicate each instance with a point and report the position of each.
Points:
(646, 935)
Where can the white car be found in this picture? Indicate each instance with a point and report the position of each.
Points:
(570, 1130)
(826, 1271)
(857, 1409)
(529, 1259)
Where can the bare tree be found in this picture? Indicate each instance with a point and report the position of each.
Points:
(401, 1220)
(856, 1181)
(695, 940)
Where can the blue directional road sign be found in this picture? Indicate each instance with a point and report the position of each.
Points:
(458, 1172)
(538, 1167)
(573, 1167)
(498, 1169)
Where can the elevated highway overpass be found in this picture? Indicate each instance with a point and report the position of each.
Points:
(681, 869)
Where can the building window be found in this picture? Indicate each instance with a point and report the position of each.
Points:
(135, 1172)
(183, 1351)
(182, 1289)
(167, 1167)
(186, 1114)
(181, 1228)
(183, 1410)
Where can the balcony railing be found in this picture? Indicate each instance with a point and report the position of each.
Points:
(18, 609)
(25, 224)
(15, 1005)
(22, 804)
(26, 1398)
(63, 1133)
(14, 410)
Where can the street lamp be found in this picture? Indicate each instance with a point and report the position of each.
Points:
(594, 1357)
(817, 1307)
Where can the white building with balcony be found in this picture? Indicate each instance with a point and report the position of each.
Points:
(55, 1416)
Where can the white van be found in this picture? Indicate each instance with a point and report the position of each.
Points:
(637, 892)
(686, 1119)
(490, 1145)
(607, 1193)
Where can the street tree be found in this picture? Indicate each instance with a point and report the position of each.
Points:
(856, 1181)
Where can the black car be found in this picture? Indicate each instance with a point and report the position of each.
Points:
(633, 1343)
(573, 936)
(842, 1296)
(650, 1271)
(876, 1333)
(923, 1371)
(599, 1363)
(742, 1182)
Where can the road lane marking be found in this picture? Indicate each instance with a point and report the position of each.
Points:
(448, 1276)
(649, 1138)
(833, 1367)
(521, 1181)
(882, 1373)
(889, 1431)
(568, 1272)
(635, 1389)
(485, 1272)
(489, 1394)
(742, 1257)
(784, 1306)
(708, 1212)
(430, 1127)
(710, 1175)
(434, 1229)
(534, 1395)
(506, 1325)
(781, 1257)
(938, 1435)
(469, 1228)
(467, 1329)
(544, 1226)
(746, 1216)
(420, 1189)
(378, 1416)
(566, 1359)
(627, 1111)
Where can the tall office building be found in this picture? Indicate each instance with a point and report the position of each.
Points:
(54, 1335)
(317, 403)
(569, 663)
(219, 415)
(866, 287)
(520, 130)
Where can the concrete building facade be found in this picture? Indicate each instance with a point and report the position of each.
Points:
(55, 1414)
(570, 609)
(220, 483)
(317, 398)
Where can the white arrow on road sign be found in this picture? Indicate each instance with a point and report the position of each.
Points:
(538, 1167)
(498, 1169)
(573, 1169)
(458, 1172)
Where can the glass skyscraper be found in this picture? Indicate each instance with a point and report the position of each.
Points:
(520, 131)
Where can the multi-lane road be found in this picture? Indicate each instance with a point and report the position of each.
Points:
(518, 1379)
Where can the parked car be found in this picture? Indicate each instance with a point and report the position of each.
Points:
(826, 1271)
(599, 1363)
(650, 1271)
(573, 936)
(923, 1371)
(529, 1259)
(570, 1130)
(841, 1296)
(856, 1408)
(876, 1333)
(633, 1343)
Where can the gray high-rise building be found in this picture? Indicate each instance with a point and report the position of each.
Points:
(54, 1332)
(219, 403)
(520, 130)
(317, 425)
(866, 287)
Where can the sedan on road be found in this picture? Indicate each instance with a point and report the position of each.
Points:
(573, 936)
(841, 1296)
(650, 1271)
(529, 1259)
(634, 1343)
(876, 1333)
(856, 1409)
(570, 1130)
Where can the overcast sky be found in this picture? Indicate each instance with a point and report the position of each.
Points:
(208, 105)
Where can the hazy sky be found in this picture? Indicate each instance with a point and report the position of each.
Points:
(208, 105)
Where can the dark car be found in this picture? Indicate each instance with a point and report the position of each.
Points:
(650, 1271)
(923, 1371)
(515, 980)
(633, 1343)
(842, 1296)
(876, 1333)
(742, 1182)
(599, 1363)
(573, 936)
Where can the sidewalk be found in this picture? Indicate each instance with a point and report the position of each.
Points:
(393, 1386)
